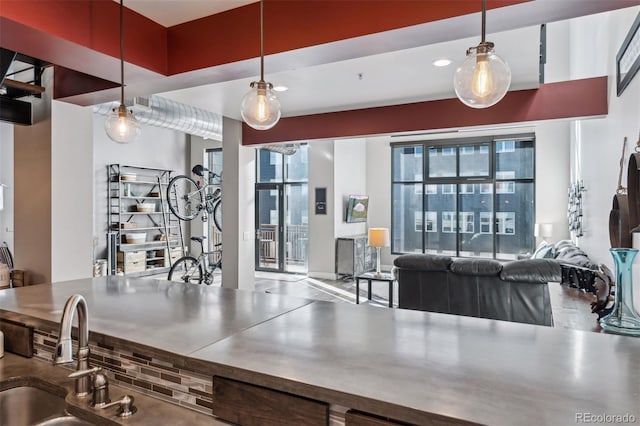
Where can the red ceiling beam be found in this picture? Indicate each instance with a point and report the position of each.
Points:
(68, 82)
(223, 38)
(566, 99)
(43, 29)
(234, 35)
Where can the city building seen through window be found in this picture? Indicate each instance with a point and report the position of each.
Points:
(464, 197)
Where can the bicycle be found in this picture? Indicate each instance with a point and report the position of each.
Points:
(187, 198)
(197, 270)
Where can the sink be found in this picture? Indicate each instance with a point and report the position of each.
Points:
(64, 421)
(32, 406)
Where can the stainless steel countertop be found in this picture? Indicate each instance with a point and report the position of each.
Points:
(168, 316)
(491, 372)
(408, 365)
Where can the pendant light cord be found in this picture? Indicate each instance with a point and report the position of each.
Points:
(261, 40)
(484, 18)
(121, 53)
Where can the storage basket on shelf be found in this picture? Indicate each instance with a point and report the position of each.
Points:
(136, 237)
(145, 207)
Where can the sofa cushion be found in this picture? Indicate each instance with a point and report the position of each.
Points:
(532, 271)
(477, 267)
(423, 262)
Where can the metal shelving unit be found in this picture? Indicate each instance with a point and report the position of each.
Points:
(128, 187)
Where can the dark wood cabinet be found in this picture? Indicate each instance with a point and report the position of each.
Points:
(250, 405)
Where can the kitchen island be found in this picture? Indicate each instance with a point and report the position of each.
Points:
(408, 366)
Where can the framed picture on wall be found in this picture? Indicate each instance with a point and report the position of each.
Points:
(628, 57)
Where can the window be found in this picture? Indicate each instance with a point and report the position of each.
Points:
(505, 223)
(466, 222)
(505, 146)
(486, 219)
(468, 199)
(432, 221)
(467, 188)
(449, 189)
(505, 187)
(417, 221)
(467, 150)
(506, 174)
(486, 188)
(449, 220)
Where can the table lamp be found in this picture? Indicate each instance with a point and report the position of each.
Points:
(378, 238)
(544, 230)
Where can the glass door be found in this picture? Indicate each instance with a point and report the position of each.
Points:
(269, 228)
(296, 227)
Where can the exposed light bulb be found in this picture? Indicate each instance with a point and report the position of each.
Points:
(263, 109)
(482, 83)
(260, 107)
(121, 126)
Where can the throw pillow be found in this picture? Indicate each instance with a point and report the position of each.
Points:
(543, 251)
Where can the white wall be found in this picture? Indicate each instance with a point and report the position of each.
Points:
(595, 41)
(198, 153)
(238, 212)
(6, 178)
(322, 245)
(72, 189)
(157, 147)
(378, 175)
(350, 174)
(553, 141)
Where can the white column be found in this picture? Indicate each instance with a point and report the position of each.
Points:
(72, 191)
(238, 209)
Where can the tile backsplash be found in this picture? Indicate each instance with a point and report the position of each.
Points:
(142, 373)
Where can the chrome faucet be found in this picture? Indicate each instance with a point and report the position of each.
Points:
(64, 351)
(87, 379)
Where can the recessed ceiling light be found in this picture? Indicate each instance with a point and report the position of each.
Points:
(442, 62)
(280, 88)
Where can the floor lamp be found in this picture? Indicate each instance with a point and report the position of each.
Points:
(378, 238)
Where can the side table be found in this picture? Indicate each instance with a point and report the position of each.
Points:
(372, 276)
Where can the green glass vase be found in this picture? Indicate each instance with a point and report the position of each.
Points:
(623, 319)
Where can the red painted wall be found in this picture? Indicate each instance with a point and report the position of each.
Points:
(567, 99)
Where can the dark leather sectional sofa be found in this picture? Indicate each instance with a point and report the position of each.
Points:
(512, 291)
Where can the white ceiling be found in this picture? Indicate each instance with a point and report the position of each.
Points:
(174, 12)
(398, 77)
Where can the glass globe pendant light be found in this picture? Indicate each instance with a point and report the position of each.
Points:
(484, 77)
(121, 126)
(260, 107)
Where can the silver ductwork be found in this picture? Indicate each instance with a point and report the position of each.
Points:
(284, 148)
(163, 112)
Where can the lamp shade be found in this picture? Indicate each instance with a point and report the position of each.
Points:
(379, 237)
(544, 230)
(121, 126)
(483, 79)
(260, 107)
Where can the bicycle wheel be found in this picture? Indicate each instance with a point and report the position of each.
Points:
(217, 215)
(184, 197)
(186, 269)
